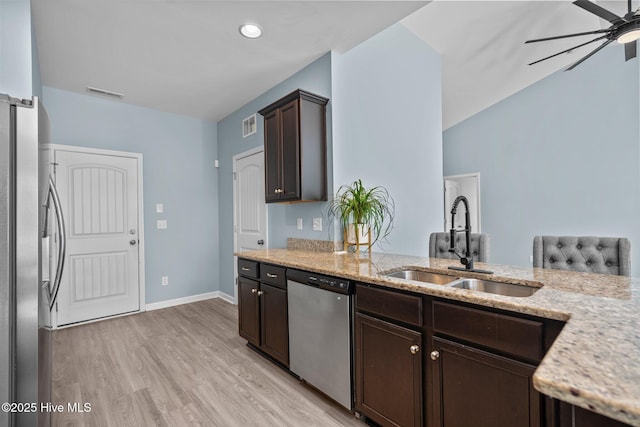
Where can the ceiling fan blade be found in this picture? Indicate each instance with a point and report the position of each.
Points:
(629, 50)
(586, 33)
(568, 50)
(599, 11)
(593, 52)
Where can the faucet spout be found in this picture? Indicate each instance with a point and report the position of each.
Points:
(466, 258)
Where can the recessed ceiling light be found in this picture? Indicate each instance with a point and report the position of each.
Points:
(250, 31)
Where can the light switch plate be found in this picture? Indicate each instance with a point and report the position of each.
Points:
(165, 280)
(317, 224)
(299, 224)
(162, 224)
(159, 208)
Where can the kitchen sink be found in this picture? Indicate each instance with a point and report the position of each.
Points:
(498, 288)
(423, 276)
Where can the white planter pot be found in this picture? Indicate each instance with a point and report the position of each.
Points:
(363, 234)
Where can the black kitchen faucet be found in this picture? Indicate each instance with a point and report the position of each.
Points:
(466, 258)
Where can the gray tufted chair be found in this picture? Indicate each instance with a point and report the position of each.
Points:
(439, 246)
(604, 255)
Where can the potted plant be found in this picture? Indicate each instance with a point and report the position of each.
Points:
(363, 212)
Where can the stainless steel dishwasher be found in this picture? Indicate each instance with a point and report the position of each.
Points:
(320, 312)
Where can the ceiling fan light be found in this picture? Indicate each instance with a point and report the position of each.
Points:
(251, 31)
(629, 36)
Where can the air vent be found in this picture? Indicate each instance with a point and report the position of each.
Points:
(249, 126)
(104, 92)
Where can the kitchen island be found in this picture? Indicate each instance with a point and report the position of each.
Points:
(595, 361)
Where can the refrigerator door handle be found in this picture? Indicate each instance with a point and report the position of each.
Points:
(62, 243)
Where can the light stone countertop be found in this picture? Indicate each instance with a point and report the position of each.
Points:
(595, 361)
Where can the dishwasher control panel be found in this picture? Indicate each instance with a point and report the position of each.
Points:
(328, 283)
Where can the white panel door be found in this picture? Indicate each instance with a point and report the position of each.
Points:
(250, 214)
(250, 210)
(99, 195)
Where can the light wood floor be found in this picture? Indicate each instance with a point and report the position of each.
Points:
(180, 366)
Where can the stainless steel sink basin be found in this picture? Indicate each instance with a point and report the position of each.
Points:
(423, 276)
(491, 287)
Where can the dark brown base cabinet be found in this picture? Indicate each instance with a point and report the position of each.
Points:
(480, 389)
(388, 359)
(389, 376)
(262, 310)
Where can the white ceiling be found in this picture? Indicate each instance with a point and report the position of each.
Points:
(484, 58)
(187, 57)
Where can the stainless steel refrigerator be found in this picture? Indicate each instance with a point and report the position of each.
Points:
(32, 240)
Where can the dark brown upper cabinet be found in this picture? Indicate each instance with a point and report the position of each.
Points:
(295, 148)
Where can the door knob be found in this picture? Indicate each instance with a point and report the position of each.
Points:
(133, 242)
(414, 349)
(261, 242)
(435, 354)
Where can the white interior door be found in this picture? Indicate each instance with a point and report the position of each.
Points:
(99, 195)
(250, 210)
(467, 185)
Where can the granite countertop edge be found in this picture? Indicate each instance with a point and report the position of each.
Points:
(595, 361)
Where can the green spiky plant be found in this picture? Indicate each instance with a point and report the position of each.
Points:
(373, 207)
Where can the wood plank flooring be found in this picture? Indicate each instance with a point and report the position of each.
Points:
(179, 366)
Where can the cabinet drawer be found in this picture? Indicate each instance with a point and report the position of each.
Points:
(248, 268)
(511, 335)
(273, 275)
(393, 305)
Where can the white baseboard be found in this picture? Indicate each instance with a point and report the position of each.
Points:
(189, 299)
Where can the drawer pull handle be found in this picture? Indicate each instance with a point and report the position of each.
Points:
(435, 354)
(273, 276)
(260, 293)
(253, 291)
(414, 349)
(246, 269)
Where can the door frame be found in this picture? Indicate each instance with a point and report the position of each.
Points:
(475, 175)
(141, 257)
(237, 157)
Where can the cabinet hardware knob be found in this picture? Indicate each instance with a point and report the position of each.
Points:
(260, 293)
(273, 276)
(414, 349)
(261, 242)
(435, 354)
(253, 291)
(245, 269)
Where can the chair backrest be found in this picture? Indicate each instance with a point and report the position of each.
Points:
(604, 255)
(439, 246)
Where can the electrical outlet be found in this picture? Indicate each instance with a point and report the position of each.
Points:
(165, 280)
(531, 259)
(162, 224)
(299, 223)
(317, 224)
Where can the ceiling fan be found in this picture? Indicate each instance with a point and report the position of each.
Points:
(624, 30)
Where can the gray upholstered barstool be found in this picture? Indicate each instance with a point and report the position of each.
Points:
(604, 255)
(439, 246)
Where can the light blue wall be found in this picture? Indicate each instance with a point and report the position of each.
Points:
(178, 166)
(15, 48)
(388, 130)
(315, 78)
(560, 157)
(36, 78)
